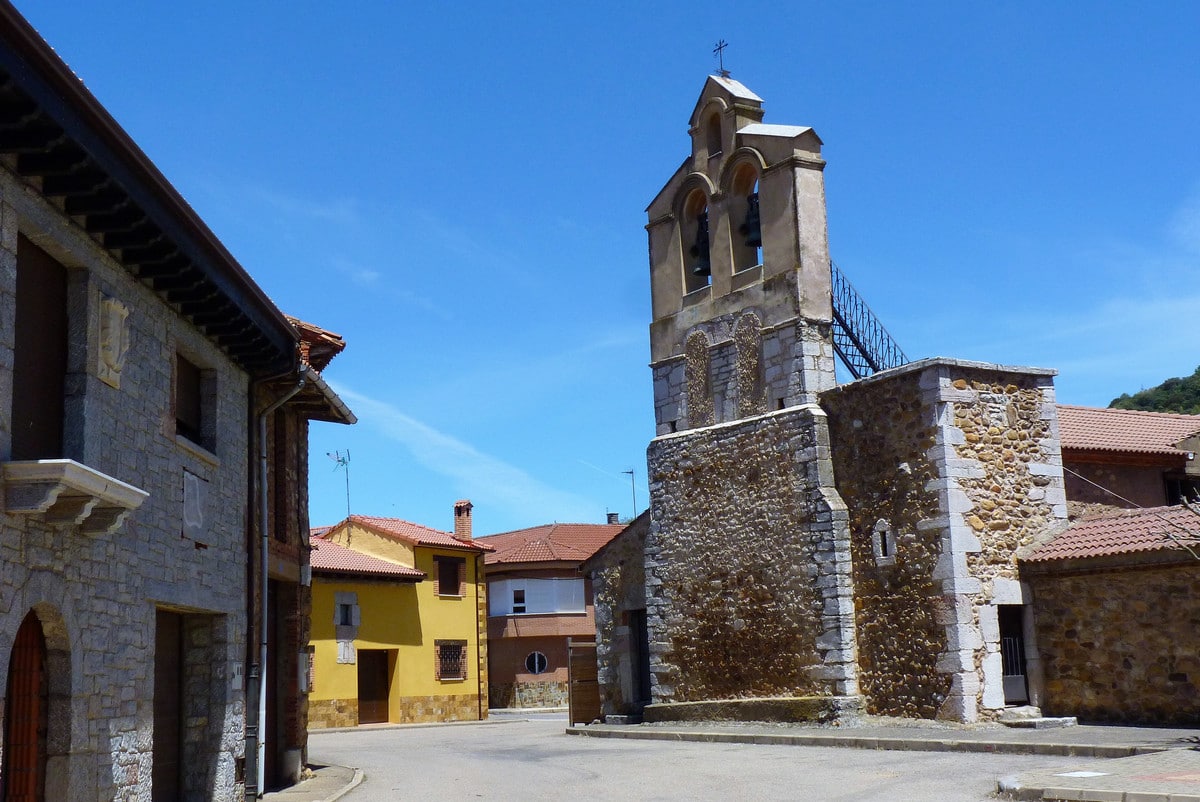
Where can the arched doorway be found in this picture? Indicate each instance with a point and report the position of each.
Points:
(27, 701)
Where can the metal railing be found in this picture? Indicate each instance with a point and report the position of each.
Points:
(859, 339)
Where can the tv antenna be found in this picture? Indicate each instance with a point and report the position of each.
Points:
(342, 462)
(633, 488)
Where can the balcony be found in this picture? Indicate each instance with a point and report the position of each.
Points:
(62, 492)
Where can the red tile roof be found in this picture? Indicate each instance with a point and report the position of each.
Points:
(1125, 430)
(328, 556)
(550, 543)
(318, 346)
(1122, 532)
(415, 533)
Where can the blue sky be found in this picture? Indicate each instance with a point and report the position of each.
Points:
(458, 189)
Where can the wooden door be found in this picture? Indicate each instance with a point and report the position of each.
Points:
(583, 691)
(25, 717)
(372, 686)
(168, 706)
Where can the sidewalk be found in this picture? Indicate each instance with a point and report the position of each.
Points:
(326, 784)
(1149, 764)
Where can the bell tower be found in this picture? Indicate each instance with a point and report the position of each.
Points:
(747, 551)
(739, 268)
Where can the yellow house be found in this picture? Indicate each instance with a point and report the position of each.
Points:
(399, 623)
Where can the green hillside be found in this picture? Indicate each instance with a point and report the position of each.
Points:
(1173, 395)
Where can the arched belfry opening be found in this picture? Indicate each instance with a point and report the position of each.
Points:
(712, 134)
(697, 245)
(747, 226)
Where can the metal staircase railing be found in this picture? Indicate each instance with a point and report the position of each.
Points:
(859, 339)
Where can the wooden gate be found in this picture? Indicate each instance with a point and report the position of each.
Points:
(25, 716)
(583, 694)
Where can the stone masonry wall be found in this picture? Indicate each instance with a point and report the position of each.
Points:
(1120, 645)
(619, 585)
(881, 435)
(949, 468)
(1009, 432)
(527, 694)
(747, 563)
(97, 594)
(748, 369)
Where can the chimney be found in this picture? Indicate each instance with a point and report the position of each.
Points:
(462, 519)
(614, 517)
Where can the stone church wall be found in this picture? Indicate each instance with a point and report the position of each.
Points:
(949, 469)
(618, 574)
(882, 434)
(747, 563)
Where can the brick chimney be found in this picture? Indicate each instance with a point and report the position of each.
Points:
(462, 519)
(614, 518)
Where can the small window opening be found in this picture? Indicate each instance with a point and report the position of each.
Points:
(346, 615)
(883, 543)
(451, 576)
(713, 134)
(518, 600)
(536, 663)
(450, 659)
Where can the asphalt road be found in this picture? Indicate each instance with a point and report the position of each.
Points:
(535, 760)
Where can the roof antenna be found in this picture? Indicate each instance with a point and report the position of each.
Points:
(719, 52)
(342, 462)
(633, 488)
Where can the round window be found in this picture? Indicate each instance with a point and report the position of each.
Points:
(536, 663)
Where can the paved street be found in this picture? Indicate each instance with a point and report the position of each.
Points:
(534, 760)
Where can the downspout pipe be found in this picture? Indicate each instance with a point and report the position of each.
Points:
(264, 544)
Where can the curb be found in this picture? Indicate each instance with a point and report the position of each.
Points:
(417, 726)
(348, 787)
(857, 742)
(1011, 788)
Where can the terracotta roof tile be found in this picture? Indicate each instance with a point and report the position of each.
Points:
(416, 533)
(1125, 430)
(550, 543)
(1121, 532)
(327, 556)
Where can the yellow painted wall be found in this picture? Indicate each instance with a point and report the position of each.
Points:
(367, 541)
(406, 618)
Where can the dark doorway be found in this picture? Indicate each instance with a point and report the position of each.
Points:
(168, 706)
(1012, 653)
(372, 686)
(24, 776)
(639, 644)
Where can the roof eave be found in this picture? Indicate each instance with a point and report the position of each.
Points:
(261, 341)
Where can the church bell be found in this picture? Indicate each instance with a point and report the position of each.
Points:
(750, 227)
(701, 265)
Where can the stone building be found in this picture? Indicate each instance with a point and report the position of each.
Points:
(898, 543)
(1117, 595)
(537, 601)
(278, 651)
(858, 541)
(137, 362)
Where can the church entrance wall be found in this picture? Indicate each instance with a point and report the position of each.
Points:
(748, 587)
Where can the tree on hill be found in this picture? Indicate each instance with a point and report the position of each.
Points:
(1174, 395)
